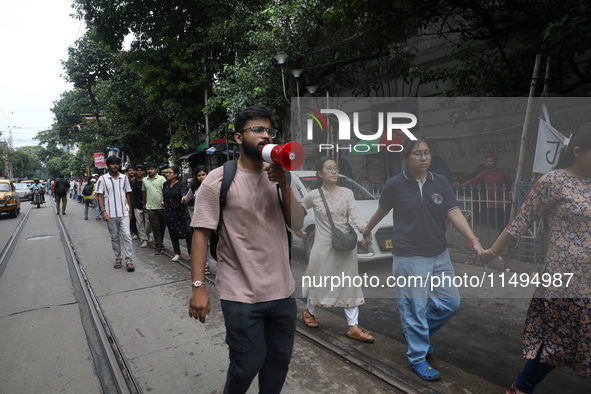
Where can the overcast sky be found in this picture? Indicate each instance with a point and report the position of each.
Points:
(34, 38)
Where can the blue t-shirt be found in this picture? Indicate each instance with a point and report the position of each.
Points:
(419, 213)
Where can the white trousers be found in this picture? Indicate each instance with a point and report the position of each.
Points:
(351, 313)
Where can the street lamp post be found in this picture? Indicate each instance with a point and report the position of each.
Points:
(281, 58)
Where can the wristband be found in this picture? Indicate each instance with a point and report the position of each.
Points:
(102, 210)
(366, 233)
(494, 252)
(471, 242)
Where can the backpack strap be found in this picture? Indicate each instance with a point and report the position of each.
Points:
(229, 173)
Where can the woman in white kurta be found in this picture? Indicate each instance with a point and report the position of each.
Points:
(324, 260)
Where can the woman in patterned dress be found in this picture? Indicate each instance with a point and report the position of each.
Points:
(177, 214)
(558, 323)
(324, 260)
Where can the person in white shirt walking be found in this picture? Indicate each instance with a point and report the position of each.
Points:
(113, 194)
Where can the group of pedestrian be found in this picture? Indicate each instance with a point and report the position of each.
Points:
(141, 207)
(260, 315)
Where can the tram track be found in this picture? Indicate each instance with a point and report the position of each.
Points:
(112, 368)
(119, 374)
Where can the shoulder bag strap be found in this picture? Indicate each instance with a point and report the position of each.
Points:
(326, 206)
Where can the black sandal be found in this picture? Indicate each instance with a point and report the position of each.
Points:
(117, 265)
(207, 271)
(130, 267)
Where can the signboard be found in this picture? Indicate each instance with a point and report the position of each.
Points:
(99, 160)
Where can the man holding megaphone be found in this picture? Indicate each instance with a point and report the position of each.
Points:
(253, 279)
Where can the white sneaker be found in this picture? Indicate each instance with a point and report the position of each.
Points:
(134, 237)
(150, 238)
(144, 244)
(176, 257)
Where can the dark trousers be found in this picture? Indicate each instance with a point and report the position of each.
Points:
(64, 200)
(260, 337)
(157, 219)
(176, 247)
(533, 373)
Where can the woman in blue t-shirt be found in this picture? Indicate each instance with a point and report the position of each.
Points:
(422, 201)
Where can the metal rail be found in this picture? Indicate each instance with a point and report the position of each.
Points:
(124, 379)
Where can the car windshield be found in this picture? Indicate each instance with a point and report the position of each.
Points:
(21, 186)
(4, 187)
(358, 191)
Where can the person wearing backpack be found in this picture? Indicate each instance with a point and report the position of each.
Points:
(62, 187)
(89, 198)
(253, 278)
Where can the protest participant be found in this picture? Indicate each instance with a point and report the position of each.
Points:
(152, 202)
(141, 215)
(558, 326)
(324, 259)
(113, 195)
(199, 175)
(253, 278)
(422, 202)
(61, 188)
(90, 199)
(177, 214)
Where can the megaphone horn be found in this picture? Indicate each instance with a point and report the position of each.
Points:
(289, 156)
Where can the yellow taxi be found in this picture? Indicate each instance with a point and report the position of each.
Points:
(9, 199)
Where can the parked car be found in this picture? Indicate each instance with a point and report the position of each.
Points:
(9, 199)
(23, 190)
(367, 204)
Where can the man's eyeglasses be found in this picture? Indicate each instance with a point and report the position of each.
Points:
(419, 154)
(259, 130)
(332, 169)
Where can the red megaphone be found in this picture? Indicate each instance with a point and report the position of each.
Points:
(289, 156)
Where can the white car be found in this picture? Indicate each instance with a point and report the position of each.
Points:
(367, 204)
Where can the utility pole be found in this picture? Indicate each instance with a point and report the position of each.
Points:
(532, 92)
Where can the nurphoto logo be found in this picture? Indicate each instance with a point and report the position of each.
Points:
(391, 120)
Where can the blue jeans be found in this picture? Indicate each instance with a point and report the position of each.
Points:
(260, 337)
(420, 321)
(87, 202)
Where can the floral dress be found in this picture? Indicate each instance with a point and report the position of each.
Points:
(324, 260)
(177, 213)
(558, 321)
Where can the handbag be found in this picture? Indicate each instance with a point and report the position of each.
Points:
(341, 242)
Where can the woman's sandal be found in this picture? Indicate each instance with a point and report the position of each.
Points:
(360, 335)
(207, 271)
(117, 265)
(425, 371)
(130, 267)
(309, 319)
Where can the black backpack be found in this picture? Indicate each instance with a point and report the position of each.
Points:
(229, 172)
(62, 186)
(87, 191)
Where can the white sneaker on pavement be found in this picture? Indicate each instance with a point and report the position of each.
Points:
(144, 244)
(134, 237)
(176, 257)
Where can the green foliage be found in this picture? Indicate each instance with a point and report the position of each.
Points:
(151, 97)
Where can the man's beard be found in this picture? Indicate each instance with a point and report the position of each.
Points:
(251, 150)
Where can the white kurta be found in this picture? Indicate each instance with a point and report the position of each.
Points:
(324, 260)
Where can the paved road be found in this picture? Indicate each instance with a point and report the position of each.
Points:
(46, 338)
